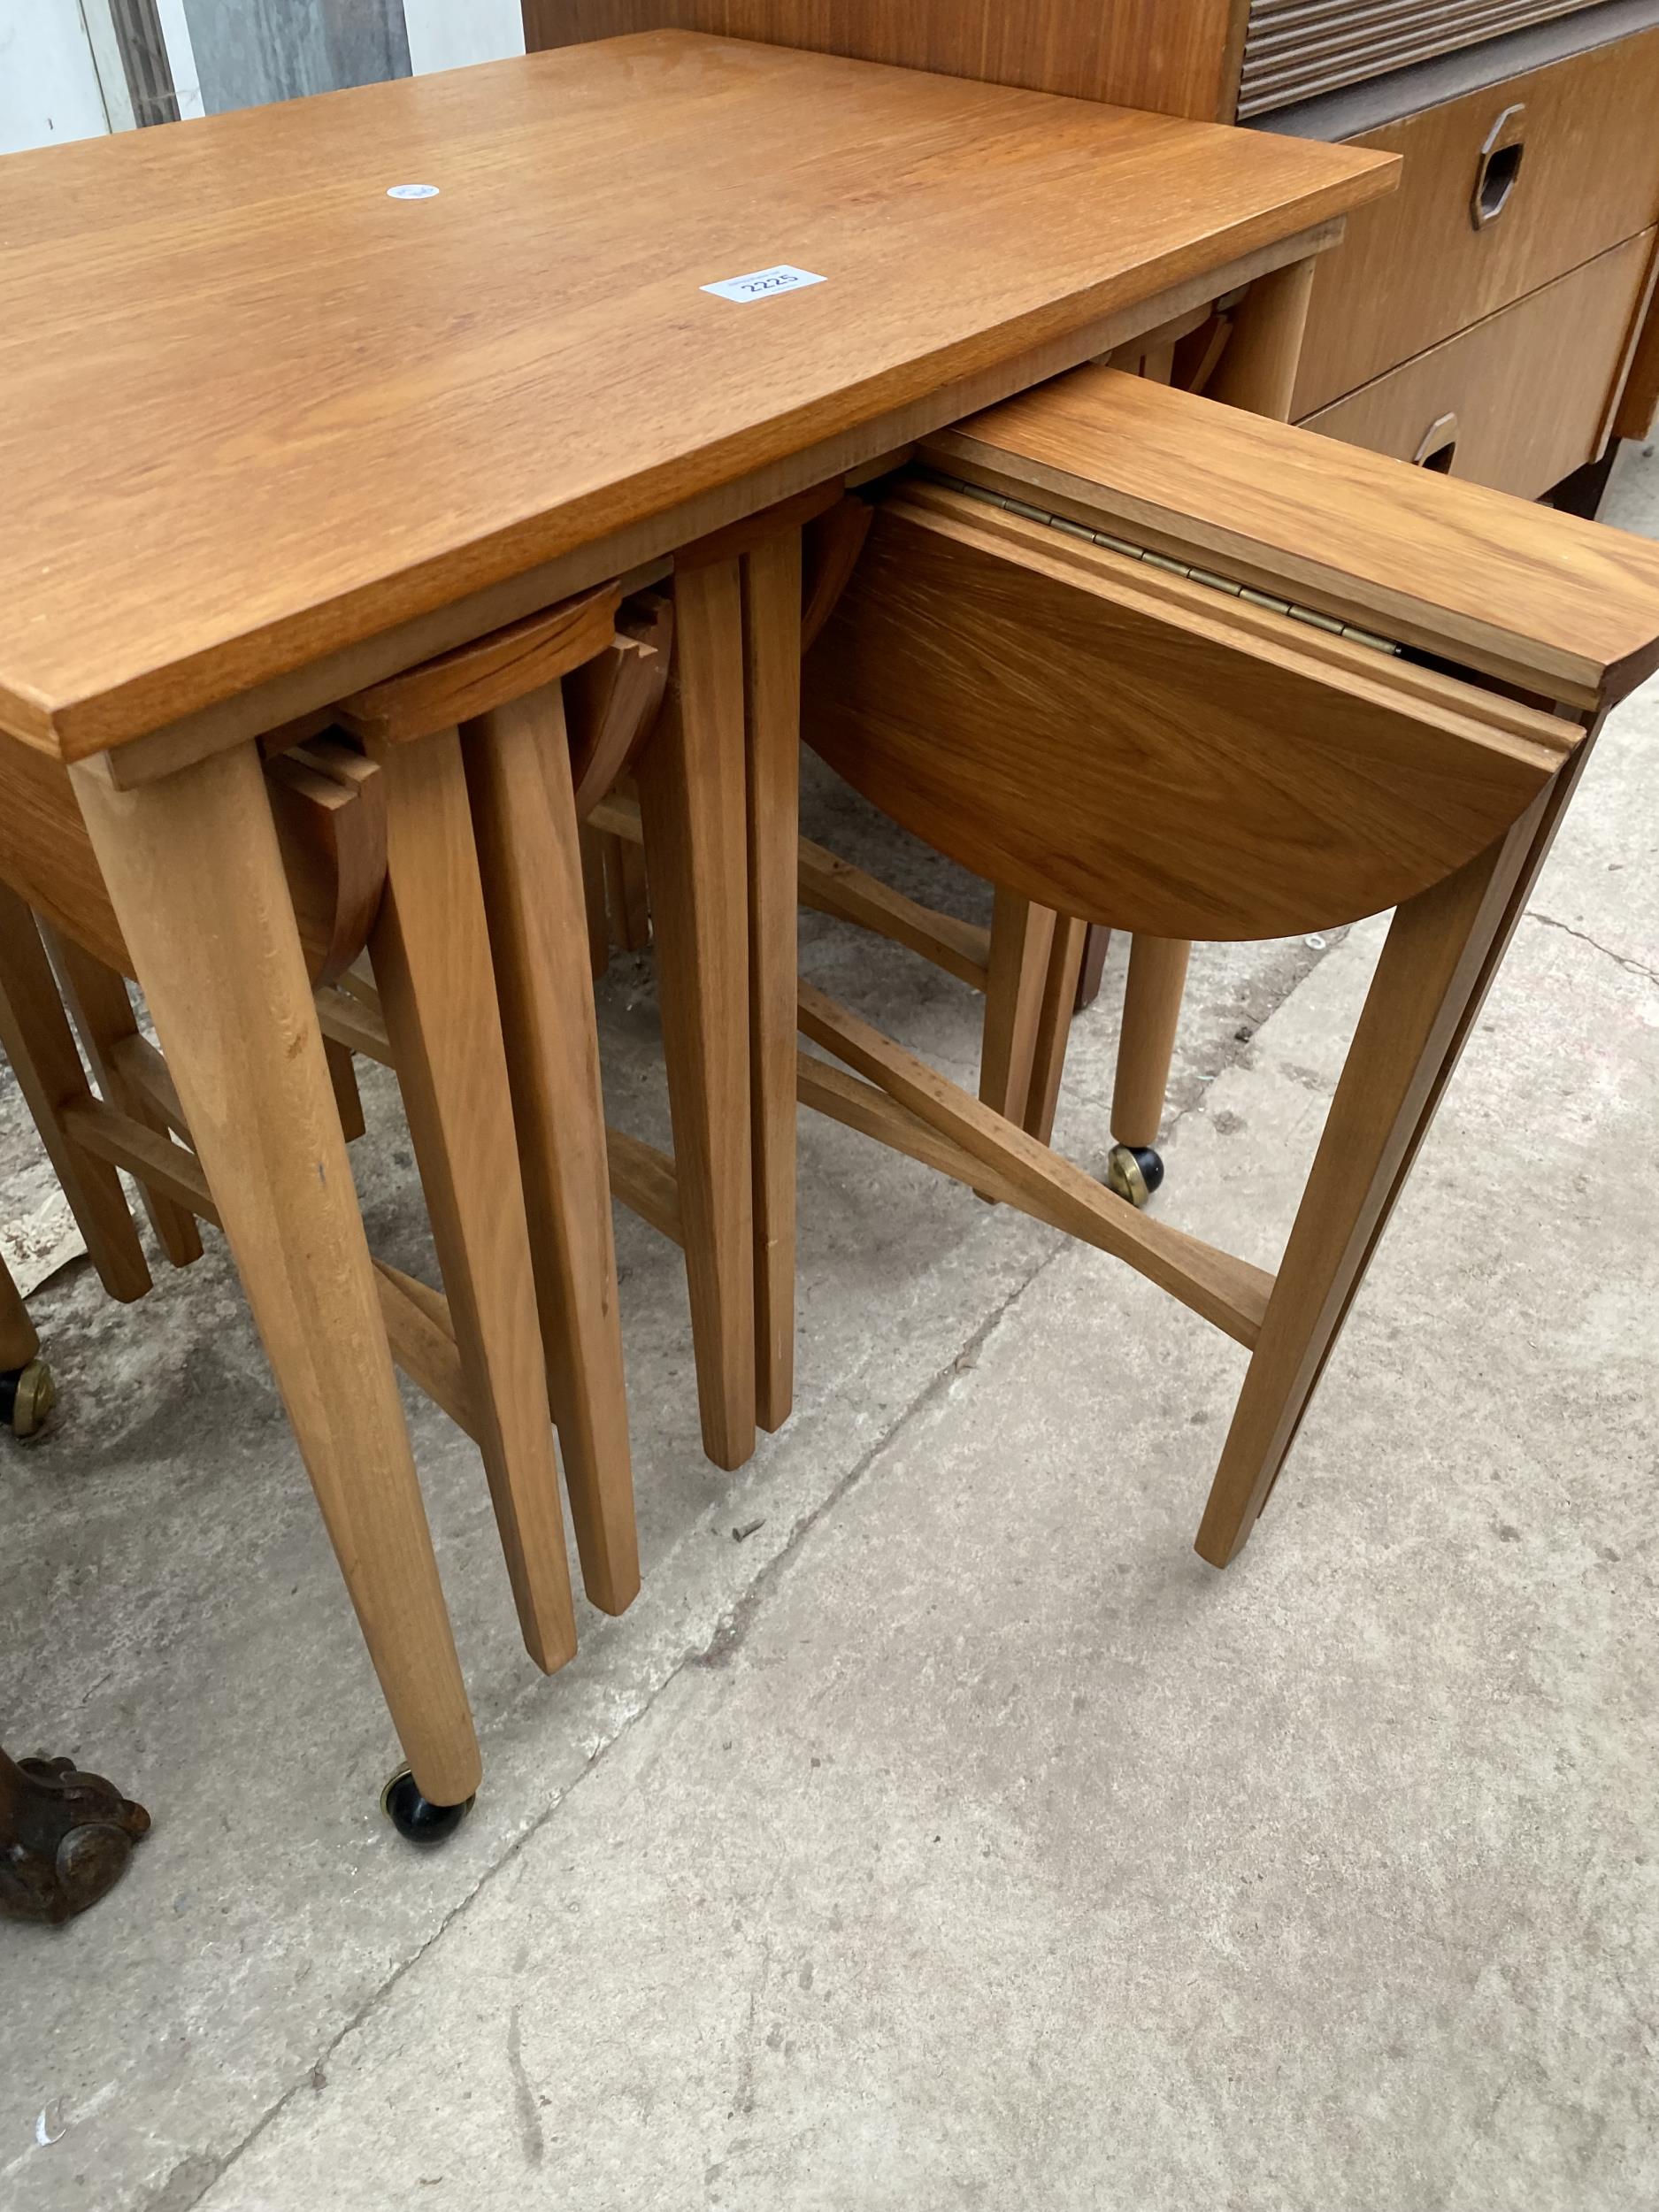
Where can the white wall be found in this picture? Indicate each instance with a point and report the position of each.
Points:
(448, 34)
(48, 88)
(175, 37)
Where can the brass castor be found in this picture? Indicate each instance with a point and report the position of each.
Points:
(27, 1394)
(1134, 1171)
(416, 1818)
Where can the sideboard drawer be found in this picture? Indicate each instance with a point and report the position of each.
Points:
(1519, 401)
(1580, 163)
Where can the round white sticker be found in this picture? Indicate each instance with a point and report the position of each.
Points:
(411, 192)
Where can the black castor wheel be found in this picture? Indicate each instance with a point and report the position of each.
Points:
(27, 1394)
(416, 1818)
(1134, 1171)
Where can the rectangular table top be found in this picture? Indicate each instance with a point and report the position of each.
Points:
(254, 408)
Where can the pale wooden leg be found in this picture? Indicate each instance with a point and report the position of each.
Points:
(19, 1343)
(104, 1015)
(196, 881)
(772, 592)
(693, 812)
(595, 907)
(431, 954)
(35, 1031)
(1145, 1043)
(1439, 955)
(1053, 1025)
(1022, 939)
(518, 777)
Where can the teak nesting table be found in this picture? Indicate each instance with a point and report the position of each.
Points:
(272, 430)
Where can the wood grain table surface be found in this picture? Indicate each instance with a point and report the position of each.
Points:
(254, 410)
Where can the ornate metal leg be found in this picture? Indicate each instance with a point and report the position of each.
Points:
(65, 1839)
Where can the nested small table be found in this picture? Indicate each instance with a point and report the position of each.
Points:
(294, 398)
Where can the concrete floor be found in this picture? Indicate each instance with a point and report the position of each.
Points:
(936, 1831)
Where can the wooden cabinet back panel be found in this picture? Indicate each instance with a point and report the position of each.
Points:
(1179, 56)
(1414, 268)
(1523, 398)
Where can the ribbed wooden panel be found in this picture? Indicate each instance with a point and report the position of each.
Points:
(1298, 48)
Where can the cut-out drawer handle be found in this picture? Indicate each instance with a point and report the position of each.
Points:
(1498, 169)
(1437, 446)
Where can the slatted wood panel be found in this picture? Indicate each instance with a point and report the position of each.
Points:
(1295, 49)
(1179, 56)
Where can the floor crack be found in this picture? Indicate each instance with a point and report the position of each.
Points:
(736, 1622)
(1584, 937)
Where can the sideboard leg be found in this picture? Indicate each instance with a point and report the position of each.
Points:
(1583, 492)
(1060, 989)
(1096, 944)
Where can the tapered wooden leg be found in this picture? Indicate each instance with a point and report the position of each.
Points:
(1560, 794)
(1022, 937)
(35, 1032)
(1439, 957)
(431, 954)
(1053, 1025)
(597, 908)
(518, 777)
(197, 879)
(104, 1015)
(693, 812)
(772, 609)
(1145, 1043)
